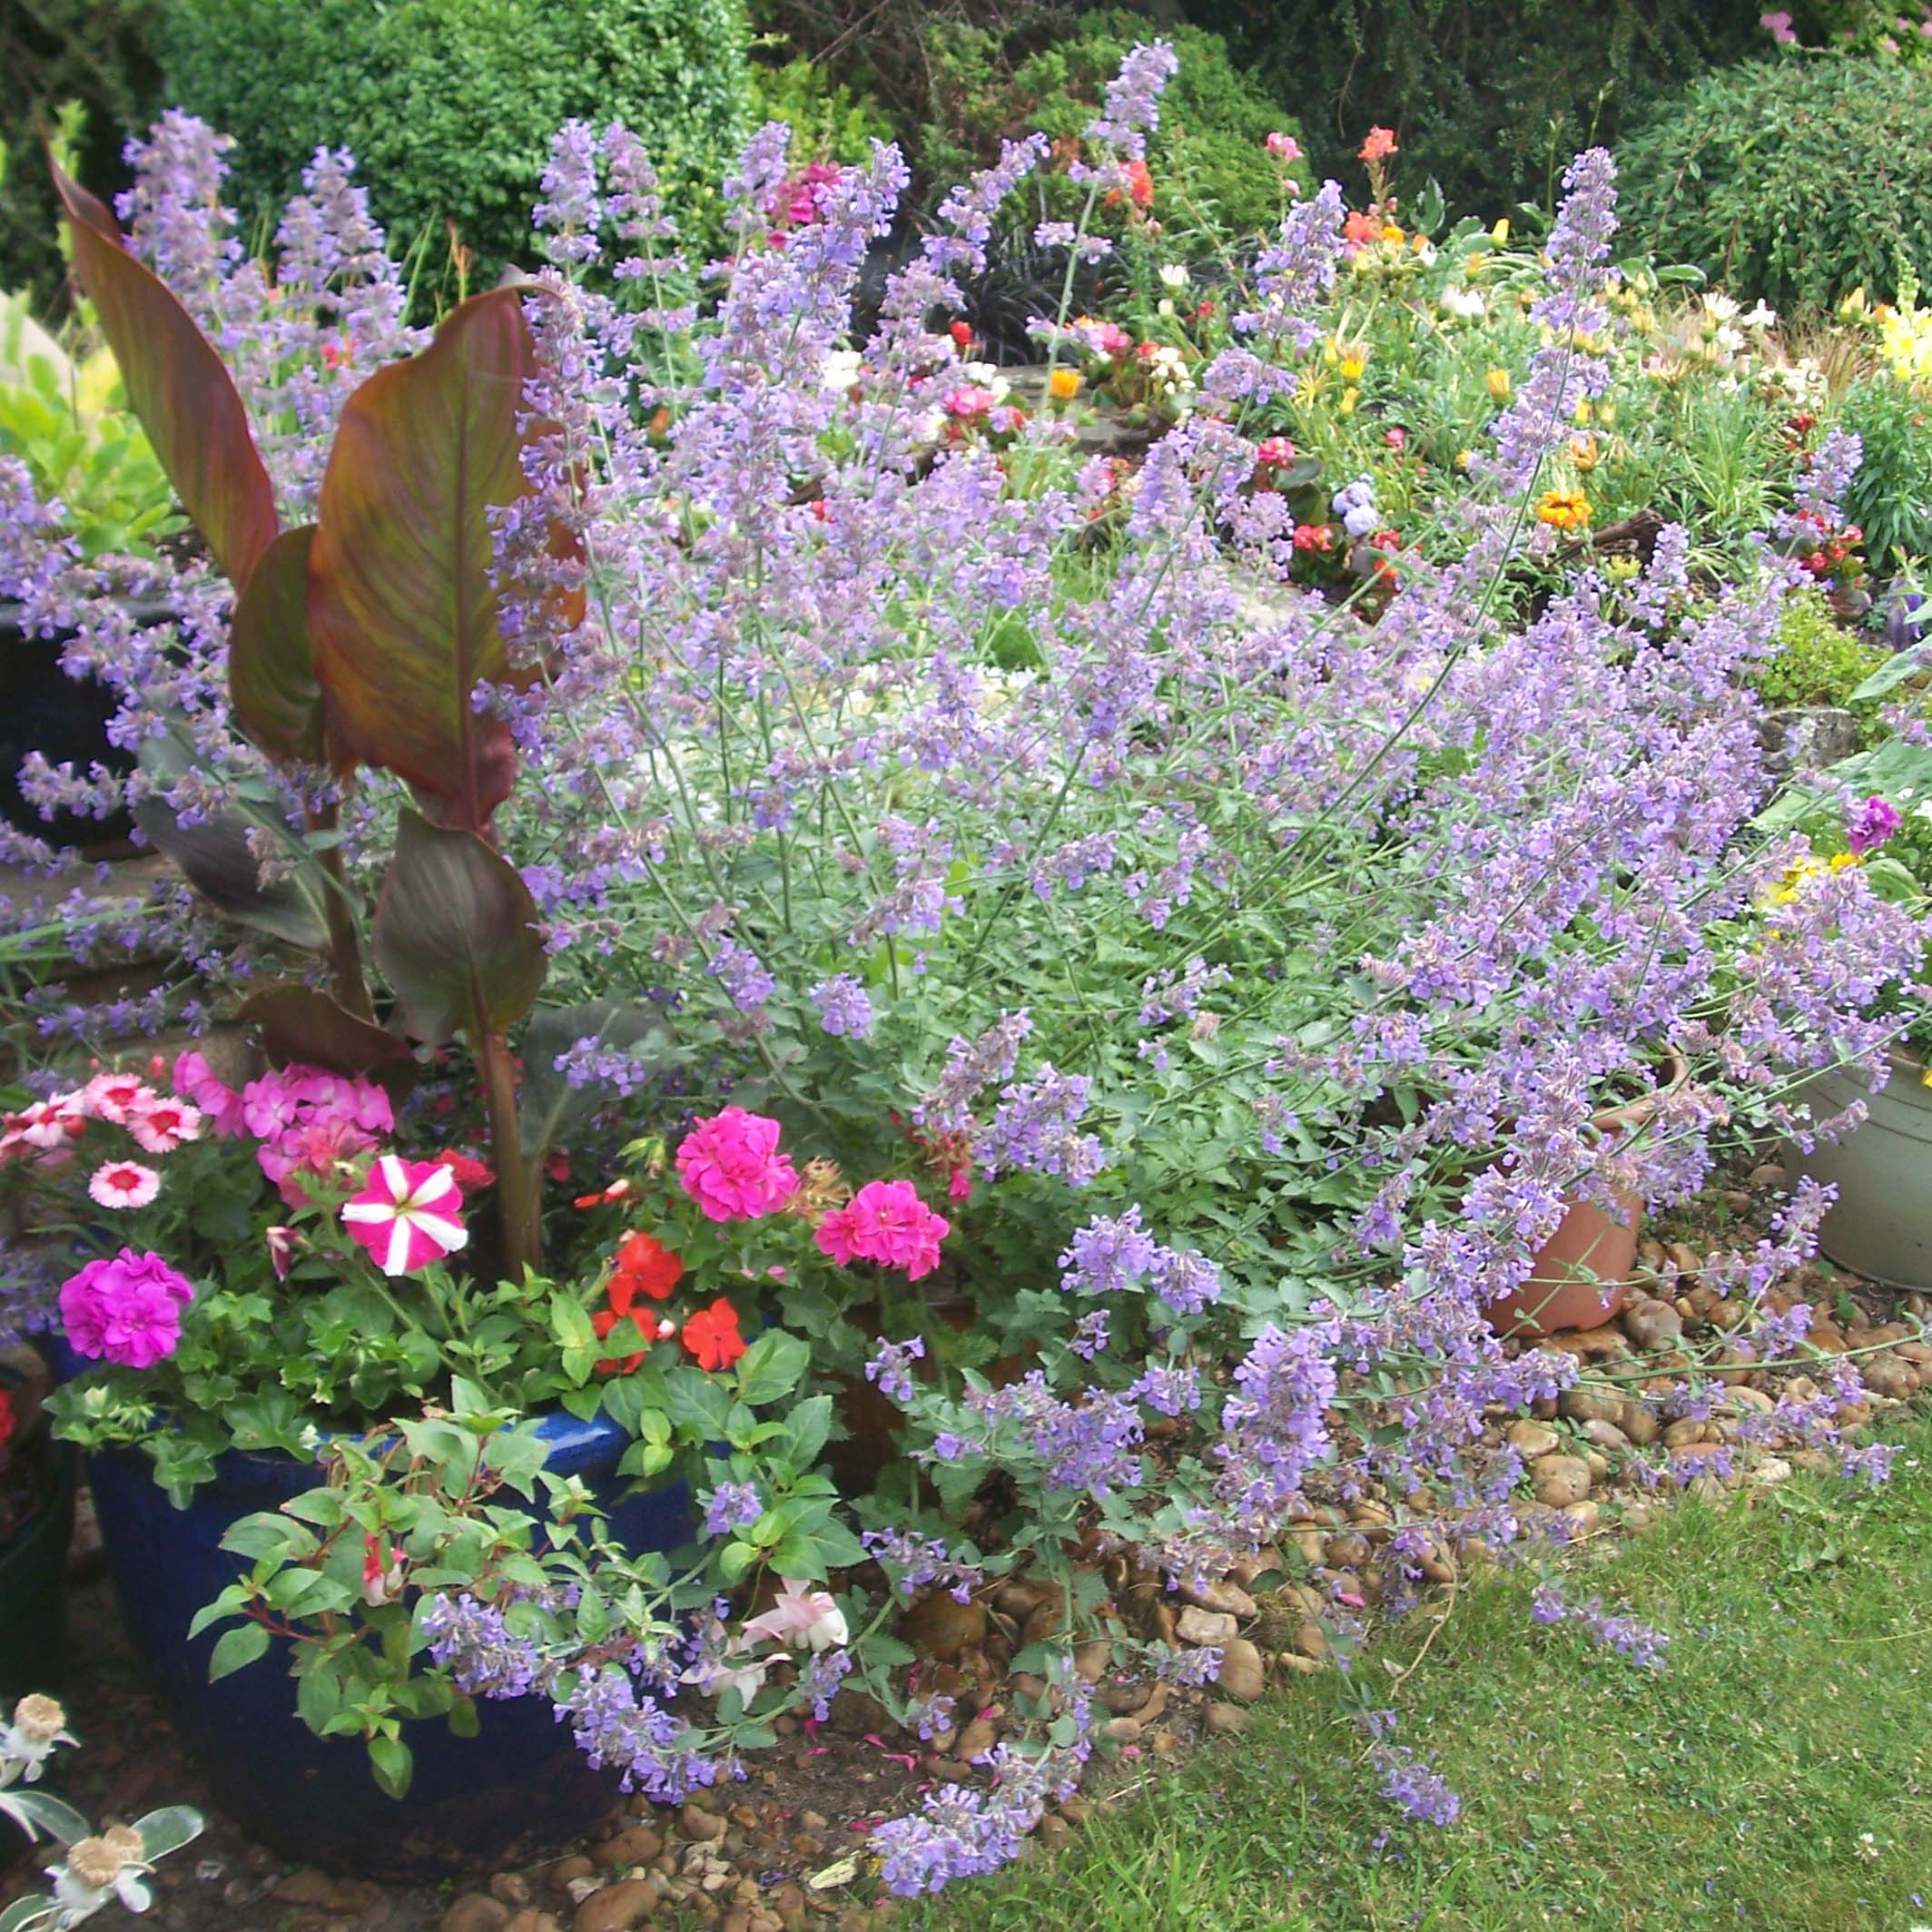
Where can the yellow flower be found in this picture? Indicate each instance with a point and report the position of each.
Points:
(1353, 364)
(1583, 410)
(1350, 397)
(1390, 233)
(1497, 382)
(1064, 384)
(1499, 233)
(1607, 413)
(1842, 861)
(1583, 453)
(1464, 458)
(1563, 509)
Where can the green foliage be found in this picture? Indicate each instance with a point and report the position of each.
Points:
(1891, 496)
(1485, 99)
(93, 59)
(1038, 69)
(828, 121)
(1818, 661)
(68, 422)
(1796, 179)
(449, 106)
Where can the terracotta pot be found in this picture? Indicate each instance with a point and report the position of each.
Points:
(1580, 1276)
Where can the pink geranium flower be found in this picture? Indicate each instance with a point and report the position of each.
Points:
(125, 1308)
(160, 1126)
(123, 1184)
(409, 1215)
(731, 1166)
(888, 1223)
(221, 1106)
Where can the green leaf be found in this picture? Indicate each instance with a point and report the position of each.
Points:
(237, 1648)
(464, 1721)
(168, 1830)
(735, 1559)
(401, 603)
(455, 933)
(178, 387)
(271, 682)
(772, 1366)
(42, 1811)
(319, 1691)
(807, 1428)
(394, 1767)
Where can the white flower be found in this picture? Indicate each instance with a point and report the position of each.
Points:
(1165, 306)
(1173, 275)
(1759, 316)
(39, 1727)
(1467, 303)
(840, 371)
(100, 1868)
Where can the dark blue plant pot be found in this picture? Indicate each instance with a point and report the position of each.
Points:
(517, 1789)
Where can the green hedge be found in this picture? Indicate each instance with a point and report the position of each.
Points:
(449, 104)
(1797, 178)
(56, 56)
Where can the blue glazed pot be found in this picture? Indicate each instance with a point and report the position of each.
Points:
(517, 1789)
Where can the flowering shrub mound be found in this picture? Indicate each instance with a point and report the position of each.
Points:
(876, 802)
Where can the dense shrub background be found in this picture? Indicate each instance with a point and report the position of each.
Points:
(94, 54)
(1797, 178)
(449, 104)
(1487, 98)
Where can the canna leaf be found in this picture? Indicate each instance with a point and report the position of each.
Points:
(179, 387)
(271, 683)
(401, 605)
(455, 932)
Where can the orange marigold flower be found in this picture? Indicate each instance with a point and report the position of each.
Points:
(1563, 509)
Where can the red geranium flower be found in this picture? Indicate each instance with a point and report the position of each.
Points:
(712, 1336)
(6, 1418)
(469, 1171)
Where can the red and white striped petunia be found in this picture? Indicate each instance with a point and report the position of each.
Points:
(409, 1215)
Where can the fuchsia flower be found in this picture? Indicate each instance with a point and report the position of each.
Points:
(123, 1184)
(125, 1308)
(1870, 824)
(886, 1222)
(409, 1215)
(800, 1618)
(731, 1166)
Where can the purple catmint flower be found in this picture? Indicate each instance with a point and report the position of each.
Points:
(1035, 1129)
(845, 1007)
(732, 1506)
(1109, 1255)
(892, 1367)
(742, 975)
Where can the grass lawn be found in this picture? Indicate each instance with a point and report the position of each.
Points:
(1776, 1774)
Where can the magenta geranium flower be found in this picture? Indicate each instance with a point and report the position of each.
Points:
(888, 1223)
(409, 1215)
(125, 1307)
(731, 1166)
(196, 1081)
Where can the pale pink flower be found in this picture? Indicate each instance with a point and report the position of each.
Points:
(801, 1617)
(51, 1123)
(970, 400)
(409, 1215)
(731, 1166)
(123, 1184)
(1282, 147)
(885, 1222)
(160, 1126)
(114, 1095)
(1779, 24)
